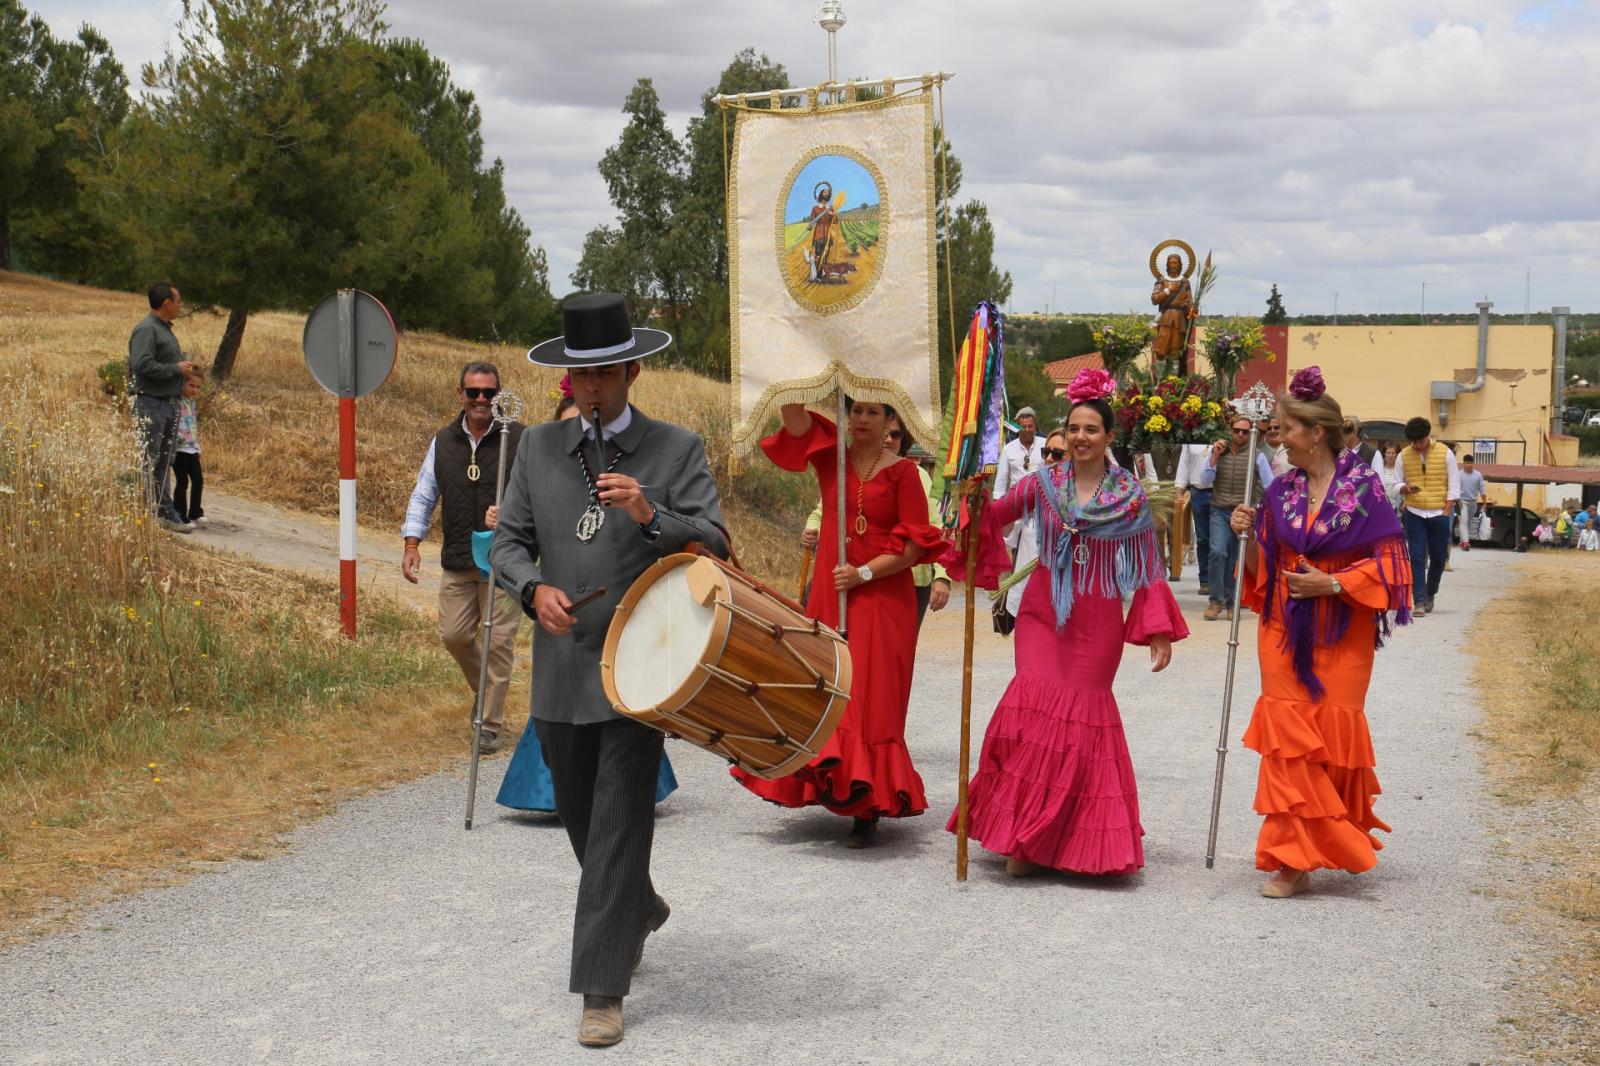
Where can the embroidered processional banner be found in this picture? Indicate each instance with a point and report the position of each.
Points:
(831, 257)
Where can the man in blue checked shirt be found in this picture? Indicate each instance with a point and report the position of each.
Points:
(458, 477)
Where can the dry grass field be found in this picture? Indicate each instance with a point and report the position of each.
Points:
(271, 433)
(1538, 675)
(164, 707)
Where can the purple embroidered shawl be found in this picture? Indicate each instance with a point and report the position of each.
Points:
(1355, 522)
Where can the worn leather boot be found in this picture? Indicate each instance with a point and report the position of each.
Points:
(601, 1024)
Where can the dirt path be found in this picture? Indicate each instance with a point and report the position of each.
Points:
(310, 543)
(386, 933)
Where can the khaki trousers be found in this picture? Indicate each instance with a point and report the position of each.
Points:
(460, 619)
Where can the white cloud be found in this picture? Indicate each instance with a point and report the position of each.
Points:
(1358, 146)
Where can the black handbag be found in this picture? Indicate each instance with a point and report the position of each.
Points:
(1004, 620)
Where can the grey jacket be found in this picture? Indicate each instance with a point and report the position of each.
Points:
(537, 541)
(153, 358)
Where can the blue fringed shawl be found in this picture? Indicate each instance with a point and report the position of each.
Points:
(1107, 548)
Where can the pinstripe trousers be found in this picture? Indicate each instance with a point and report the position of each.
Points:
(604, 775)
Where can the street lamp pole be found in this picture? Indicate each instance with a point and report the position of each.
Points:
(1336, 307)
(830, 16)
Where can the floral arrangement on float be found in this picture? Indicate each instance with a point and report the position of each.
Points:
(1230, 344)
(1153, 414)
(1121, 340)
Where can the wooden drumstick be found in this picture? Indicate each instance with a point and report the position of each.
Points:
(572, 608)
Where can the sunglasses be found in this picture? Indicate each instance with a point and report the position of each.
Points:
(1057, 454)
(895, 434)
(1241, 432)
(473, 392)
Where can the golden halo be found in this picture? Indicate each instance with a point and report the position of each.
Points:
(1187, 254)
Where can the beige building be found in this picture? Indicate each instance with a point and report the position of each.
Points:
(1388, 374)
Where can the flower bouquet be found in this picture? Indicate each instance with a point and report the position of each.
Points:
(1120, 340)
(1152, 414)
(1230, 344)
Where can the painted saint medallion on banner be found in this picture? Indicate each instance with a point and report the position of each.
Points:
(831, 226)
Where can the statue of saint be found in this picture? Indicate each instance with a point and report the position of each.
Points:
(1174, 301)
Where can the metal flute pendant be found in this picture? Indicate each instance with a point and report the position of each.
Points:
(590, 522)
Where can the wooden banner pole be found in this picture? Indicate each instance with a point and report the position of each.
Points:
(974, 510)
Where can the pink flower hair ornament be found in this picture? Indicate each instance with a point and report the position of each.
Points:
(1091, 383)
(566, 386)
(1308, 384)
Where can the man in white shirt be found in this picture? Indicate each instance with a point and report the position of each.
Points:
(1022, 455)
(1195, 475)
(458, 477)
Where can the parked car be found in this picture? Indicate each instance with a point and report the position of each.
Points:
(1592, 419)
(1503, 525)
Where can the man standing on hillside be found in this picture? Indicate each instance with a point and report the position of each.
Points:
(594, 502)
(1431, 488)
(458, 474)
(156, 369)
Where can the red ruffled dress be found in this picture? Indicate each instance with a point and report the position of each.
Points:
(1055, 783)
(864, 770)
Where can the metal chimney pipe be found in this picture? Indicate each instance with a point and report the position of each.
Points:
(1559, 315)
(1483, 347)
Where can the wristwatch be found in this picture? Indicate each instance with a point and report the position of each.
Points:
(865, 573)
(1334, 586)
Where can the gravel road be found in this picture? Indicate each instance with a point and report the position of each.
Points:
(387, 934)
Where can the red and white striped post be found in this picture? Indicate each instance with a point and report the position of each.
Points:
(350, 345)
(347, 515)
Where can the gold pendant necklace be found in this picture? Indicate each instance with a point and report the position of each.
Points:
(861, 491)
(472, 463)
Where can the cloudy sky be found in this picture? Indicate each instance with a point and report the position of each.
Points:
(1362, 147)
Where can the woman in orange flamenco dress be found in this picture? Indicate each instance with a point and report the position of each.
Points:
(864, 771)
(1327, 565)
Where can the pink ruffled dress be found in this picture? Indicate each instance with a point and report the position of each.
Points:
(1055, 783)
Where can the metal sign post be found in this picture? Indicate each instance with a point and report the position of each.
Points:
(350, 346)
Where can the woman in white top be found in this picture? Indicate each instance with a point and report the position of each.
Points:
(1387, 463)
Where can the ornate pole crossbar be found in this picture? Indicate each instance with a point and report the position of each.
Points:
(1257, 405)
(735, 99)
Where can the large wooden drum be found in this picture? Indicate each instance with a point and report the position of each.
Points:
(701, 652)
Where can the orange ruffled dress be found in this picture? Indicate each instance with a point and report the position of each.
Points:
(1317, 783)
(864, 770)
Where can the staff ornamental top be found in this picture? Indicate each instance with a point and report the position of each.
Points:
(507, 407)
(1257, 404)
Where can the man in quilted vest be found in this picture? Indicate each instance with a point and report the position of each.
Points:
(458, 475)
(1431, 488)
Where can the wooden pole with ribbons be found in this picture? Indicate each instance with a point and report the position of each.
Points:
(975, 496)
(1256, 405)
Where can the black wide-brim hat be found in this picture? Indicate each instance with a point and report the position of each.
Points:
(597, 333)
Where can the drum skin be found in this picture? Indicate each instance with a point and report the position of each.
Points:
(770, 686)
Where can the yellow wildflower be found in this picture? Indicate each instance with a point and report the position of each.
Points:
(149, 766)
(197, 603)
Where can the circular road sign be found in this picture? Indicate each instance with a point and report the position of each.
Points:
(349, 343)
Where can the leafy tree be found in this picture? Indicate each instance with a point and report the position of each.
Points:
(447, 122)
(973, 273)
(273, 158)
(58, 99)
(1276, 315)
(645, 257)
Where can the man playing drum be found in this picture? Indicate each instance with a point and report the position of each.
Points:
(582, 516)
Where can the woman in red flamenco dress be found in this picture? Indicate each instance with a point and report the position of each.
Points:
(864, 770)
(1055, 785)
